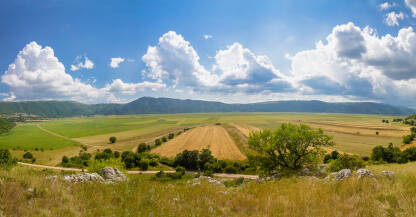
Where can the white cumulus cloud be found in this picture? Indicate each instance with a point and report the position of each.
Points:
(207, 36)
(385, 6)
(412, 5)
(115, 62)
(87, 64)
(36, 74)
(392, 18)
(369, 67)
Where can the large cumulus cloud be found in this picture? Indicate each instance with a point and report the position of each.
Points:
(236, 69)
(358, 63)
(37, 74)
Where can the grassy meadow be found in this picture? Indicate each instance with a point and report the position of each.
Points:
(142, 196)
(355, 134)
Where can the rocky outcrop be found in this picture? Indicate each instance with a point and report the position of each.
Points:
(112, 174)
(364, 173)
(343, 174)
(84, 177)
(107, 175)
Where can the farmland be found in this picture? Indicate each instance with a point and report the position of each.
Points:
(214, 138)
(356, 134)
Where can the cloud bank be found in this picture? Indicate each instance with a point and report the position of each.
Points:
(351, 64)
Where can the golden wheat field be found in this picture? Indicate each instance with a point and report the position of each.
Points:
(211, 137)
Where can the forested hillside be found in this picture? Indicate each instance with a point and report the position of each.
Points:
(149, 105)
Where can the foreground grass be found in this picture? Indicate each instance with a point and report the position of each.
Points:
(143, 197)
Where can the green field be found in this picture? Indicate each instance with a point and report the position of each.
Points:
(354, 134)
(29, 137)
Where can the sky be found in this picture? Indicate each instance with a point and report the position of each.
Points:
(234, 51)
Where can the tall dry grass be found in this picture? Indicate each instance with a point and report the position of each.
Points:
(143, 197)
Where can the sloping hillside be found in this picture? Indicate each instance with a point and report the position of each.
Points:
(149, 105)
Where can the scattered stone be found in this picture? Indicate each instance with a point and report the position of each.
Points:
(112, 174)
(197, 181)
(388, 174)
(343, 174)
(305, 172)
(84, 177)
(52, 178)
(364, 173)
(330, 176)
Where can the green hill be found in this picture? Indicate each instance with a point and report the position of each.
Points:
(149, 105)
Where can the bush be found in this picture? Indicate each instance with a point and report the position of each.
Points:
(164, 139)
(332, 156)
(144, 164)
(27, 155)
(345, 161)
(80, 161)
(65, 160)
(171, 135)
(230, 169)
(408, 154)
(129, 159)
(112, 139)
(158, 142)
(153, 162)
(143, 148)
(96, 166)
(413, 130)
(187, 159)
(407, 139)
(6, 159)
(389, 154)
(116, 154)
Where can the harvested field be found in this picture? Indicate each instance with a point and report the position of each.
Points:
(214, 138)
(245, 129)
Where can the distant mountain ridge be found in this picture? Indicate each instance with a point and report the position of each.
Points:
(150, 105)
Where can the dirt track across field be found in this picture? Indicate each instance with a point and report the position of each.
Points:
(214, 138)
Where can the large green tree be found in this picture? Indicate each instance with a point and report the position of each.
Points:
(290, 147)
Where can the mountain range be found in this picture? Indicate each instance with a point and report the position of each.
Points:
(150, 105)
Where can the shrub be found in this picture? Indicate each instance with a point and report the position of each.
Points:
(345, 161)
(153, 162)
(389, 154)
(187, 159)
(144, 164)
(407, 139)
(413, 130)
(143, 148)
(171, 135)
(112, 139)
(65, 160)
(164, 139)
(158, 142)
(365, 158)
(408, 154)
(230, 169)
(6, 159)
(129, 159)
(377, 133)
(27, 155)
(332, 156)
(96, 166)
(234, 183)
(116, 154)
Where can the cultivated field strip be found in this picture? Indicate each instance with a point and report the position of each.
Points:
(214, 138)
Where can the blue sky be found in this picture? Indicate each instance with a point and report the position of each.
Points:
(231, 51)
